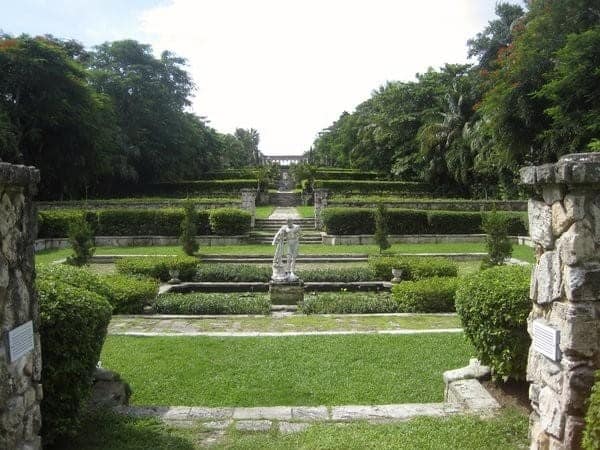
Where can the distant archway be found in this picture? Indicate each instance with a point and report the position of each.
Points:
(285, 160)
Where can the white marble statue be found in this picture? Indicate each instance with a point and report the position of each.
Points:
(286, 242)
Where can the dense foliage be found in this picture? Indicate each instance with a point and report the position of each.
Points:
(349, 221)
(94, 121)
(412, 267)
(430, 295)
(158, 266)
(203, 303)
(129, 294)
(348, 303)
(532, 96)
(189, 228)
(591, 434)
(498, 245)
(73, 324)
(493, 306)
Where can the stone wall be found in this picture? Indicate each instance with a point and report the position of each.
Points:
(20, 380)
(564, 218)
(249, 203)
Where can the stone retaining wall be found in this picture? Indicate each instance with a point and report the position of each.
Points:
(564, 217)
(20, 380)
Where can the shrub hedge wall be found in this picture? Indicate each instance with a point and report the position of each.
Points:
(144, 222)
(158, 266)
(129, 294)
(332, 174)
(208, 303)
(373, 187)
(413, 267)
(73, 324)
(493, 306)
(431, 295)
(191, 188)
(348, 303)
(348, 221)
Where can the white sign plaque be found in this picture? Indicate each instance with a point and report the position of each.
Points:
(20, 341)
(546, 340)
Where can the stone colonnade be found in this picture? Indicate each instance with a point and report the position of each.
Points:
(320, 204)
(249, 203)
(564, 222)
(20, 367)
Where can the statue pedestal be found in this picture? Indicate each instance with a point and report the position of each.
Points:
(286, 292)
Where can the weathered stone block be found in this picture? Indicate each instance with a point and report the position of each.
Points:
(574, 205)
(579, 335)
(582, 283)
(576, 246)
(560, 219)
(574, 427)
(547, 279)
(540, 223)
(552, 193)
(527, 175)
(552, 418)
(544, 370)
(545, 174)
(578, 385)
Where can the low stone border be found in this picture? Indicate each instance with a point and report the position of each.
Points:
(462, 387)
(284, 333)
(368, 239)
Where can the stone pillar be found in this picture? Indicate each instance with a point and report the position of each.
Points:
(564, 223)
(20, 376)
(320, 205)
(249, 203)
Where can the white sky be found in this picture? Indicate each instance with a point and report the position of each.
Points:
(287, 68)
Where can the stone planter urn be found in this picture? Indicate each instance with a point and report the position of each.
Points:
(397, 273)
(174, 274)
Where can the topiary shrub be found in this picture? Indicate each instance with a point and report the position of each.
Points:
(429, 295)
(591, 434)
(73, 324)
(499, 247)
(348, 221)
(75, 276)
(229, 221)
(381, 228)
(82, 242)
(493, 306)
(56, 223)
(158, 266)
(454, 222)
(189, 228)
(232, 272)
(337, 274)
(209, 303)
(348, 303)
(129, 294)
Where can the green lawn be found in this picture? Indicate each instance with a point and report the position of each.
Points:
(519, 251)
(263, 212)
(306, 212)
(269, 371)
(507, 431)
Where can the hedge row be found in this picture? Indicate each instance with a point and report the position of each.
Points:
(203, 303)
(348, 303)
(231, 174)
(349, 221)
(373, 187)
(431, 295)
(413, 267)
(144, 222)
(252, 273)
(326, 175)
(158, 267)
(190, 188)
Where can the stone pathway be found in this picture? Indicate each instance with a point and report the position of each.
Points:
(284, 213)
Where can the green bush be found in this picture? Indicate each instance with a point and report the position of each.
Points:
(73, 324)
(129, 294)
(334, 174)
(77, 277)
(372, 187)
(381, 228)
(203, 303)
(229, 221)
(430, 295)
(348, 303)
(232, 273)
(81, 239)
(454, 222)
(158, 266)
(337, 274)
(55, 224)
(348, 221)
(413, 267)
(189, 228)
(406, 221)
(191, 188)
(498, 246)
(493, 306)
(591, 434)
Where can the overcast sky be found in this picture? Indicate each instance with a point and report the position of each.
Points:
(286, 68)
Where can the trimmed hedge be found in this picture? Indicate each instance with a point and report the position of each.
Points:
(158, 266)
(591, 433)
(348, 303)
(130, 294)
(203, 303)
(373, 187)
(338, 274)
(334, 174)
(73, 324)
(430, 295)
(233, 273)
(493, 306)
(79, 277)
(192, 188)
(349, 221)
(229, 221)
(413, 267)
(144, 222)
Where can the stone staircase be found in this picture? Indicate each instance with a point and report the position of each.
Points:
(285, 199)
(265, 229)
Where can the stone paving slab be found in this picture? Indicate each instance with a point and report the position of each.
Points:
(269, 412)
(284, 213)
(292, 427)
(310, 413)
(395, 412)
(254, 425)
